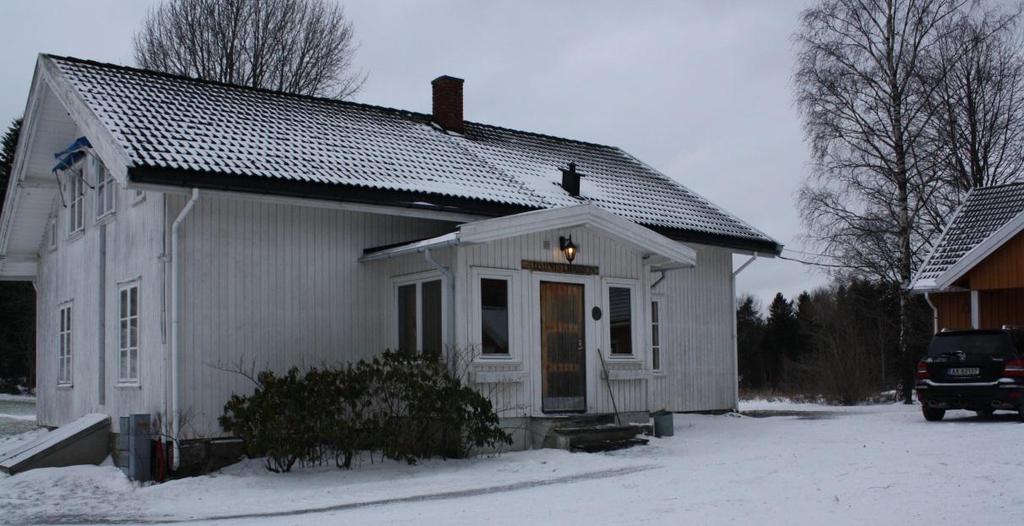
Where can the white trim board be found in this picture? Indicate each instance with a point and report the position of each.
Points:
(662, 252)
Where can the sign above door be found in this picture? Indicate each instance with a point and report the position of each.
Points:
(560, 268)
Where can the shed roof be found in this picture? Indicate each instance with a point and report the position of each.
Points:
(988, 217)
(188, 132)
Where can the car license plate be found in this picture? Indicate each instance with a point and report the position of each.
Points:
(963, 371)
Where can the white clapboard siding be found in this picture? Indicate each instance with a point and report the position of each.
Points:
(613, 259)
(134, 244)
(271, 286)
(698, 353)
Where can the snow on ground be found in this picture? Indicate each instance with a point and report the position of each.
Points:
(824, 465)
(17, 414)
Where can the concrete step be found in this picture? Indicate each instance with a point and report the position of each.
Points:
(602, 437)
(610, 445)
(84, 441)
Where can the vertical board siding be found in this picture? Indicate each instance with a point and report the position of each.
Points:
(954, 309)
(272, 286)
(698, 355)
(1004, 269)
(1001, 307)
(134, 244)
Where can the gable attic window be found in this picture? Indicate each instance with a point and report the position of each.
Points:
(51, 233)
(419, 308)
(105, 189)
(76, 202)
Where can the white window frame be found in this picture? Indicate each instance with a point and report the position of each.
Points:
(51, 234)
(65, 344)
(124, 344)
(658, 327)
(106, 189)
(76, 202)
(637, 322)
(515, 330)
(418, 279)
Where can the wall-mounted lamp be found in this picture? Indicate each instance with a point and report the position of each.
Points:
(568, 248)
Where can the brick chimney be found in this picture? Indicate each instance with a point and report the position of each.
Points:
(448, 103)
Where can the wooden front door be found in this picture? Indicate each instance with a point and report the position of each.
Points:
(563, 348)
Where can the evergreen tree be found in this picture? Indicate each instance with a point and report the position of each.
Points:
(10, 142)
(17, 300)
(781, 339)
(749, 333)
(805, 319)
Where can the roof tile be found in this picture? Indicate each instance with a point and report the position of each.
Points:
(163, 120)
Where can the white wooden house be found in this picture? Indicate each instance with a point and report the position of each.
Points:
(203, 227)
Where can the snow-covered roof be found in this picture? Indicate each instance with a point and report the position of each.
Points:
(198, 130)
(988, 218)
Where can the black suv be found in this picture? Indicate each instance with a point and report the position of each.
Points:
(977, 370)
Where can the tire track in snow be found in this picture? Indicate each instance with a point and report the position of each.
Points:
(455, 494)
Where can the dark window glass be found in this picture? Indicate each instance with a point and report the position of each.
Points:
(987, 343)
(620, 319)
(494, 316)
(407, 318)
(655, 336)
(431, 309)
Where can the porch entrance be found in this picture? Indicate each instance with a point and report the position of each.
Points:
(563, 348)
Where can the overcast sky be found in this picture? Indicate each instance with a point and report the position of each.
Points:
(700, 90)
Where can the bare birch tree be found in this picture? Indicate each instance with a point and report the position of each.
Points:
(978, 125)
(864, 97)
(298, 46)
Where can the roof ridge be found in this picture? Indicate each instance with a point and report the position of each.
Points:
(217, 83)
(314, 98)
(996, 187)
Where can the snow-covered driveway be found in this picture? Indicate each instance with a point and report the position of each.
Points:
(861, 465)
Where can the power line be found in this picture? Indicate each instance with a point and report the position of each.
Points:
(815, 263)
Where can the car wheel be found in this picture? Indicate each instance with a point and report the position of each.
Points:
(1020, 413)
(985, 414)
(932, 414)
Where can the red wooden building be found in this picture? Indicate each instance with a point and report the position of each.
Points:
(974, 277)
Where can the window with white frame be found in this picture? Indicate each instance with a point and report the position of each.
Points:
(106, 190)
(128, 341)
(419, 315)
(493, 307)
(620, 320)
(75, 201)
(656, 334)
(51, 233)
(64, 345)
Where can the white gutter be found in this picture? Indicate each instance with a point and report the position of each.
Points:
(735, 338)
(175, 321)
(417, 247)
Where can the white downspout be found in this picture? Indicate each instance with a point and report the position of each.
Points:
(449, 323)
(175, 320)
(975, 310)
(935, 313)
(735, 339)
